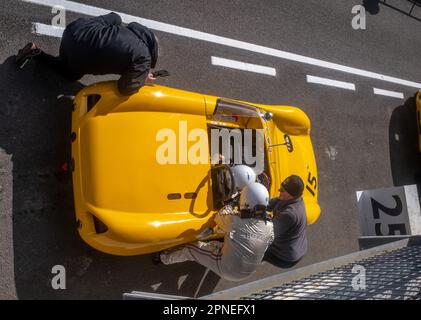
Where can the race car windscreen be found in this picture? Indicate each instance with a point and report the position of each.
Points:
(234, 112)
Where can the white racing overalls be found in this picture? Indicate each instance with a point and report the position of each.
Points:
(245, 243)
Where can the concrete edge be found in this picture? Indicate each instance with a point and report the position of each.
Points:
(279, 279)
(366, 242)
(138, 295)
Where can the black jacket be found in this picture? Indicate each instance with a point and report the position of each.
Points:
(289, 228)
(102, 45)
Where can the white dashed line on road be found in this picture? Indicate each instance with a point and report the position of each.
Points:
(388, 93)
(330, 82)
(45, 29)
(238, 65)
(198, 35)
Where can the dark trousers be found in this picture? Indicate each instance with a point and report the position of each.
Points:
(58, 65)
(273, 260)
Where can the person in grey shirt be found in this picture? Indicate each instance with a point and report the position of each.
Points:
(289, 224)
(248, 233)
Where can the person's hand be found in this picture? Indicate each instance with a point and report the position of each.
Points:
(226, 210)
(150, 78)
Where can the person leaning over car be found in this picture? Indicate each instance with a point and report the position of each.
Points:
(102, 45)
(289, 225)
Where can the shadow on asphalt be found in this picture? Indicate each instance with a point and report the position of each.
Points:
(408, 8)
(372, 6)
(405, 157)
(34, 129)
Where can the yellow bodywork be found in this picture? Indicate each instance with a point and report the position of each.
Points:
(418, 106)
(118, 180)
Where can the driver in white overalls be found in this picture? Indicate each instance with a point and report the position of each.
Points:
(248, 233)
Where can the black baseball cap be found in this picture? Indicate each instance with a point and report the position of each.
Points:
(294, 185)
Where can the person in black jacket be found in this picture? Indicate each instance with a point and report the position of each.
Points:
(289, 225)
(102, 45)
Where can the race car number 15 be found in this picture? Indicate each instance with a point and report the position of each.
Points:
(311, 184)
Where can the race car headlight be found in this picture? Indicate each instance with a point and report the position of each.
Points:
(100, 227)
(91, 101)
(88, 103)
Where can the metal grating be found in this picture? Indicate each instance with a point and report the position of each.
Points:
(407, 11)
(392, 270)
(391, 275)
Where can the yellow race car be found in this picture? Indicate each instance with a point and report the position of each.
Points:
(135, 195)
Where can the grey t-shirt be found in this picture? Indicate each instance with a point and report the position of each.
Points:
(289, 226)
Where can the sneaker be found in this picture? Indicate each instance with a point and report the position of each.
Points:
(156, 258)
(26, 53)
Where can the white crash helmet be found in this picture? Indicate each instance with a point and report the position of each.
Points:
(243, 175)
(254, 194)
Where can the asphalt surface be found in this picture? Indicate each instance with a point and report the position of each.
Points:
(361, 140)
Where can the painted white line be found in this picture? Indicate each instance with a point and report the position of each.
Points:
(216, 61)
(388, 93)
(45, 29)
(198, 35)
(330, 82)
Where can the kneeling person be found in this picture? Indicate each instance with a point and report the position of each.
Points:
(248, 233)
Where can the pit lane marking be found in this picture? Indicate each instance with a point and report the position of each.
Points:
(238, 65)
(388, 93)
(198, 35)
(44, 29)
(47, 30)
(331, 82)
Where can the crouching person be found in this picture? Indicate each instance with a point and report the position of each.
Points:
(290, 225)
(248, 233)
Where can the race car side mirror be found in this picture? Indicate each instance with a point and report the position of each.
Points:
(268, 116)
